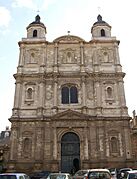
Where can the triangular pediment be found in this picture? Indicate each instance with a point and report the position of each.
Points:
(70, 114)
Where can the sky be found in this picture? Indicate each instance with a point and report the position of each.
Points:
(59, 17)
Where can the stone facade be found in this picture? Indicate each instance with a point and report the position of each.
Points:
(69, 106)
(4, 149)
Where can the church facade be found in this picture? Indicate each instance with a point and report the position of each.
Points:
(69, 107)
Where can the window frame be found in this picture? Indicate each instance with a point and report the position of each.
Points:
(70, 96)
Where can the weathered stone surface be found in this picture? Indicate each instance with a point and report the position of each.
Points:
(99, 120)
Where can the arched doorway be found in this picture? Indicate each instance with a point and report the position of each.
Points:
(70, 152)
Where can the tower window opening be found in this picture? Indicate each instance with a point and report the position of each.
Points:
(102, 33)
(109, 92)
(69, 95)
(35, 33)
(29, 93)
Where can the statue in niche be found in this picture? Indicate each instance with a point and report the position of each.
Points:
(27, 147)
(69, 57)
(109, 92)
(29, 93)
(32, 58)
(106, 57)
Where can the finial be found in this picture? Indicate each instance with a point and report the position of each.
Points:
(99, 18)
(134, 113)
(37, 18)
(68, 32)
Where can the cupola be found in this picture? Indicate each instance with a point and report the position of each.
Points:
(36, 29)
(101, 28)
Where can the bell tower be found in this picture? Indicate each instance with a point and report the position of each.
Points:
(36, 29)
(101, 28)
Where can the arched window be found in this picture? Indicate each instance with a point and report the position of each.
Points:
(35, 33)
(29, 93)
(69, 95)
(102, 32)
(73, 95)
(65, 95)
(114, 144)
(109, 92)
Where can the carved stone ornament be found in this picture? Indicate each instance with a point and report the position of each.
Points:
(32, 56)
(68, 56)
(49, 92)
(68, 39)
(70, 114)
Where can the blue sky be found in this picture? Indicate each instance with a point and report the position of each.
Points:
(60, 16)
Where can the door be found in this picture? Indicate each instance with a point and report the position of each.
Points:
(70, 152)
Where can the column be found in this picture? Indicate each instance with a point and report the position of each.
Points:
(127, 142)
(82, 57)
(122, 93)
(41, 97)
(17, 94)
(117, 55)
(120, 144)
(83, 91)
(55, 92)
(98, 95)
(13, 148)
(55, 57)
(43, 57)
(119, 68)
(38, 147)
(21, 60)
(41, 92)
(54, 144)
(116, 92)
(86, 145)
(107, 146)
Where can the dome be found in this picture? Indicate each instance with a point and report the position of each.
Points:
(36, 22)
(100, 21)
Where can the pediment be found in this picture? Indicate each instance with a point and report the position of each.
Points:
(68, 39)
(70, 114)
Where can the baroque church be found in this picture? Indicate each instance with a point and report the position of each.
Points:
(69, 106)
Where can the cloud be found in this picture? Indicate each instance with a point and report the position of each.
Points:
(33, 4)
(5, 17)
(24, 3)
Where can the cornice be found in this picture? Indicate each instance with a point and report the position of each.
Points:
(107, 75)
(105, 40)
(68, 116)
(41, 77)
(32, 42)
